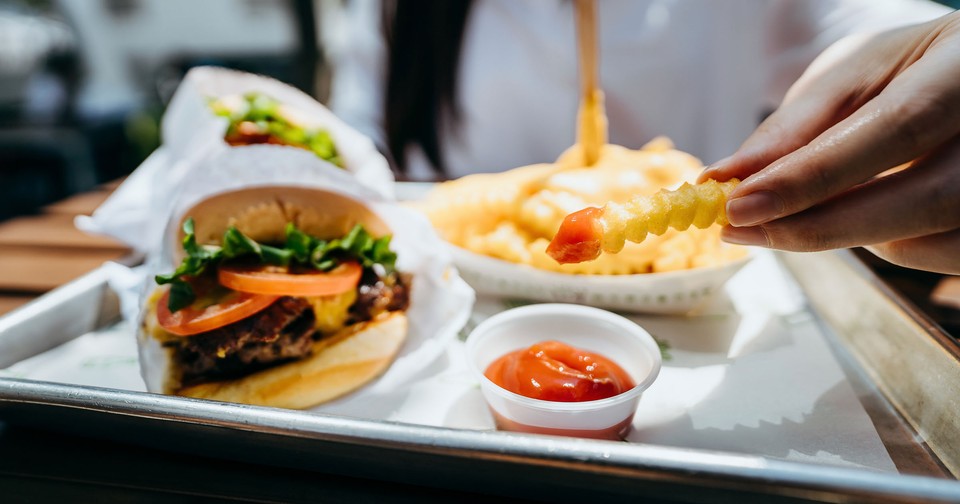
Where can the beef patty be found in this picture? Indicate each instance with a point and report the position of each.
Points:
(281, 332)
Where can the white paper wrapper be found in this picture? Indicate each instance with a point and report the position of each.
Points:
(193, 136)
(440, 301)
(672, 292)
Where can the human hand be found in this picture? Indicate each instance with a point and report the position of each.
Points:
(813, 172)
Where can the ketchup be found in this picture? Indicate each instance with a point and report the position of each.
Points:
(554, 371)
(579, 238)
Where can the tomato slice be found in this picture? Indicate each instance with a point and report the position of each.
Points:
(280, 281)
(211, 310)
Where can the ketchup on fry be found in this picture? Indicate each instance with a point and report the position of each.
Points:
(554, 371)
(579, 237)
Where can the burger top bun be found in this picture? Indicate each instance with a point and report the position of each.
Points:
(262, 213)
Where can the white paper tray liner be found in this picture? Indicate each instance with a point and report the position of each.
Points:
(752, 373)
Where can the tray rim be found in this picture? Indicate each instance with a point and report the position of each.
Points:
(905, 339)
(635, 461)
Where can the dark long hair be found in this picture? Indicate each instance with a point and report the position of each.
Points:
(423, 40)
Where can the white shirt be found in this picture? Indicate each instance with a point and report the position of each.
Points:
(701, 72)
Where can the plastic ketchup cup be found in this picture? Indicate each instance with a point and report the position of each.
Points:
(590, 329)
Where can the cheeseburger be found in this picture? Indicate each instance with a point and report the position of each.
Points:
(284, 296)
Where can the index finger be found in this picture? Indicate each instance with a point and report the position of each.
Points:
(831, 89)
(911, 117)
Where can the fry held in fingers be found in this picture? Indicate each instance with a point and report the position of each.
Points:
(585, 234)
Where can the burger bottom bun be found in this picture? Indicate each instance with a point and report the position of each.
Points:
(338, 365)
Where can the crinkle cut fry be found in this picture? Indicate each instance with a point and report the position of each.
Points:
(584, 234)
(700, 205)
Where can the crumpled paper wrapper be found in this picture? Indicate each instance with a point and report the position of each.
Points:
(193, 139)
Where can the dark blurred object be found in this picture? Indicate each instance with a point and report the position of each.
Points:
(38, 64)
(918, 287)
(299, 68)
(308, 54)
(43, 159)
(41, 166)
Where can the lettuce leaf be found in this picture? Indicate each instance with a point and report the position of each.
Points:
(300, 249)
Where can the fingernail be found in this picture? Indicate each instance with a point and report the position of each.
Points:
(711, 170)
(720, 162)
(745, 236)
(754, 208)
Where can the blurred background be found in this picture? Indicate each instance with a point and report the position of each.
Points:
(83, 83)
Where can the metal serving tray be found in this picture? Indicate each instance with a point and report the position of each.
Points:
(524, 466)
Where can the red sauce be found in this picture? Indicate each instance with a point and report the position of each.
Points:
(579, 237)
(554, 371)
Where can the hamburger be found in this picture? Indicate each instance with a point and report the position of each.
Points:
(256, 118)
(284, 296)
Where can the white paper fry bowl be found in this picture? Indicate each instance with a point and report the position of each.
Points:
(672, 292)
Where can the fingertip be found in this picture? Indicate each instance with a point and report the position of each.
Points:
(714, 171)
(705, 175)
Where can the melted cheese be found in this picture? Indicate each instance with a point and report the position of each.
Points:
(332, 311)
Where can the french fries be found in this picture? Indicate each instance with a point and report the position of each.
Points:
(514, 215)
